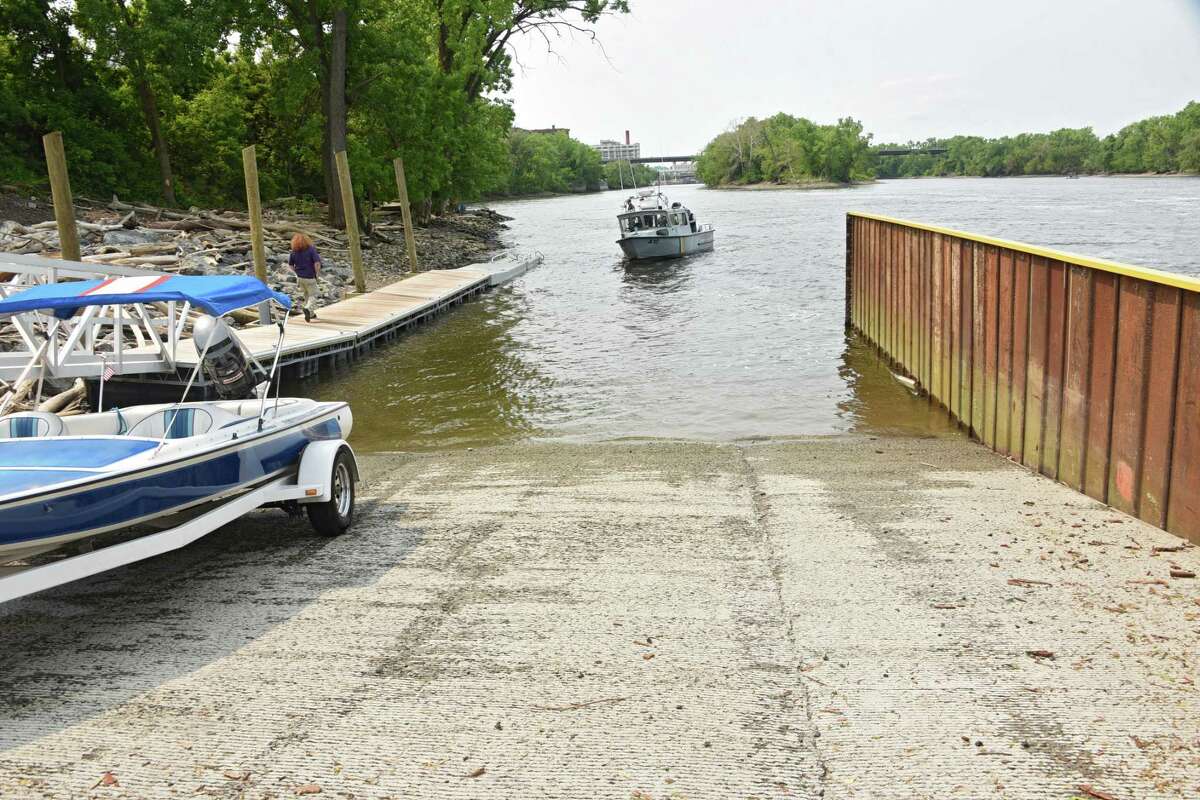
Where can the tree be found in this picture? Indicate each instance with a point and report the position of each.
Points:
(470, 56)
(786, 149)
(551, 162)
(321, 33)
(627, 175)
(160, 44)
(49, 82)
(474, 37)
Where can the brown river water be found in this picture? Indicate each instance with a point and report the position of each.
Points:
(741, 343)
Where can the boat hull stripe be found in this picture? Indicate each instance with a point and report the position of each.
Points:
(159, 493)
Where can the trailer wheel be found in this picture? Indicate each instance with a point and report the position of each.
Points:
(334, 516)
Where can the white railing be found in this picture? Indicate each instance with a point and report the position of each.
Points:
(81, 347)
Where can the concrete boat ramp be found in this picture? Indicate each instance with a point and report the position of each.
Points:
(826, 618)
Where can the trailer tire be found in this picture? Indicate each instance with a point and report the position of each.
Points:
(333, 517)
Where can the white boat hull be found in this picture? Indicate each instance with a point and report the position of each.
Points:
(79, 500)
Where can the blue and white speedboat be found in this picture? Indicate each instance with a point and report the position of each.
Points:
(65, 479)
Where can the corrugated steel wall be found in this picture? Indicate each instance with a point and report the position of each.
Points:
(1084, 370)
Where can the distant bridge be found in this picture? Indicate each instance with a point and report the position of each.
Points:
(912, 151)
(661, 159)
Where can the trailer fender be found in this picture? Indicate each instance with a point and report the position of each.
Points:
(316, 468)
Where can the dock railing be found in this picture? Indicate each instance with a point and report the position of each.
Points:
(1085, 370)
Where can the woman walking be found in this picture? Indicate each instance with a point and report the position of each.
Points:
(305, 261)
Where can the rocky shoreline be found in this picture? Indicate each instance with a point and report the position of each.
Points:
(217, 242)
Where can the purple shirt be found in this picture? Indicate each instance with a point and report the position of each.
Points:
(304, 262)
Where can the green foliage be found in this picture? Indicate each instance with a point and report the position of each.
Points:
(49, 81)
(550, 162)
(422, 81)
(1158, 144)
(786, 149)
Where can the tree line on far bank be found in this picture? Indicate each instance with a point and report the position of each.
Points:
(784, 149)
(156, 98)
(1169, 143)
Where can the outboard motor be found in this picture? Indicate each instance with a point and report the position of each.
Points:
(224, 362)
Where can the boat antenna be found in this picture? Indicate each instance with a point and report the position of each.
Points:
(186, 389)
(633, 175)
(262, 407)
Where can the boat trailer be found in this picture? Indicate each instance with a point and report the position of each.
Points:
(314, 483)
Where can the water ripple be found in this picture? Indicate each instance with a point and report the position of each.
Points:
(743, 342)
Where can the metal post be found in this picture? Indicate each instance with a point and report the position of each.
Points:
(343, 168)
(254, 206)
(849, 270)
(119, 340)
(103, 380)
(60, 190)
(410, 240)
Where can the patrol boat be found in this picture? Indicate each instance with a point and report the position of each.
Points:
(653, 227)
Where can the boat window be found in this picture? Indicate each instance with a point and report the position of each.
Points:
(675, 218)
(662, 220)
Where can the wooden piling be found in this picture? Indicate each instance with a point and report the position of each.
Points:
(343, 168)
(410, 241)
(60, 189)
(254, 206)
(1082, 369)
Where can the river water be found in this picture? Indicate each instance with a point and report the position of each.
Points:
(741, 343)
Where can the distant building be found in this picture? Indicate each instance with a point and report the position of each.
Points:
(552, 129)
(611, 150)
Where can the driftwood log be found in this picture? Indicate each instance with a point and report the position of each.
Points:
(65, 403)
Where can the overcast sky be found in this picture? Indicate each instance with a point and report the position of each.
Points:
(677, 72)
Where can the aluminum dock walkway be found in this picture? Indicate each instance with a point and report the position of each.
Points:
(350, 328)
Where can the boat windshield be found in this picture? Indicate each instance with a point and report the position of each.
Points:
(632, 223)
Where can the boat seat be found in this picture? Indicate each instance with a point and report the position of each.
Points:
(107, 423)
(30, 425)
(178, 422)
(249, 408)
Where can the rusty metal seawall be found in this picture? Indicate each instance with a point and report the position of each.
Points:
(1085, 370)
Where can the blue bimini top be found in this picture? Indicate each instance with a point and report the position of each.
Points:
(215, 294)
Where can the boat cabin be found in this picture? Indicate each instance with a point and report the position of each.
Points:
(677, 219)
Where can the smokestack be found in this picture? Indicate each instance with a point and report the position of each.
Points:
(626, 137)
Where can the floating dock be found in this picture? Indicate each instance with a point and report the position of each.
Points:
(343, 331)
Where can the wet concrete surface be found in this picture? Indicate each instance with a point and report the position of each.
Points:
(823, 617)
